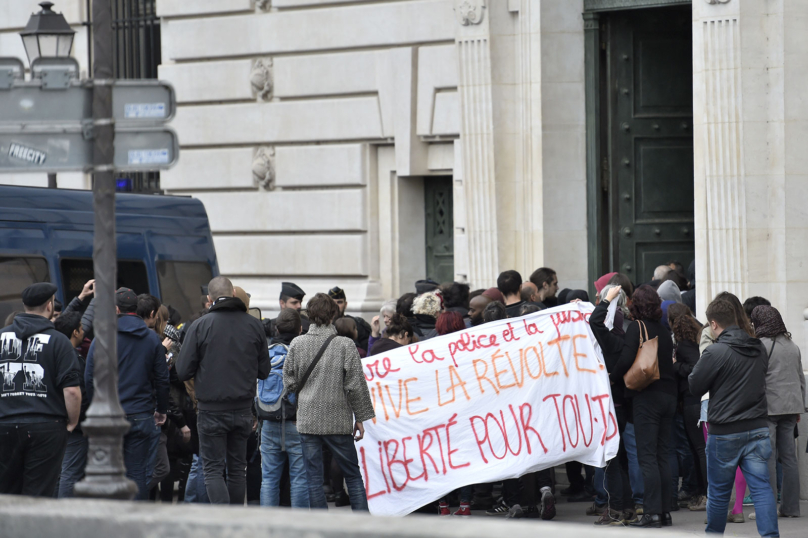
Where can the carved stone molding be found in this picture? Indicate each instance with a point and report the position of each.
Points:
(263, 167)
(263, 5)
(469, 11)
(261, 78)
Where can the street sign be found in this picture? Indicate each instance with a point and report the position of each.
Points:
(133, 101)
(62, 149)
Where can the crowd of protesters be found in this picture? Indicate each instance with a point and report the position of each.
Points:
(235, 409)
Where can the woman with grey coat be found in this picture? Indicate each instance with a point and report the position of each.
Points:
(785, 396)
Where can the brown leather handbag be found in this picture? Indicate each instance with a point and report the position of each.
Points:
(645, 369)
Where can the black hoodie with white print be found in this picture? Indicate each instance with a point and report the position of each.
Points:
(37, 363)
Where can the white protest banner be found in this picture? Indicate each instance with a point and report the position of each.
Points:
(485, 404)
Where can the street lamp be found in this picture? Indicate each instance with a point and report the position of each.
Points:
(47, 35)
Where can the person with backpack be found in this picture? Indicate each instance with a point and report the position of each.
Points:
(277, 410)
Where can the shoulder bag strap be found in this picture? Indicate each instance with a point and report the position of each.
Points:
(314, 363)
(643, 328)
(774, 342)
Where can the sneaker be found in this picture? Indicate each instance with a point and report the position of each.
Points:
(735, 518)
(610, 517)
(464, 510)
(443, 509)
(596, 510)
(515, 512)
(342, 499)
(626, 517)
(638, 509)
(499, 509)
(698, 504)
(747, 501)
(781, 514)
(752, 516)
(548, 507)
(684, 495)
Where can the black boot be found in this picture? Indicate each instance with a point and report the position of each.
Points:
(667, 520)
(648, 520)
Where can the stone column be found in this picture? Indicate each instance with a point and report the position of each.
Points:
(750, 72)
(477, 139)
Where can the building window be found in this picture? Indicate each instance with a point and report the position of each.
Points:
(181, 285)
(16, 274)
(76, 271)
(136, 54)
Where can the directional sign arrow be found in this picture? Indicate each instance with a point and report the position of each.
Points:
(68, 148)
(133, 102)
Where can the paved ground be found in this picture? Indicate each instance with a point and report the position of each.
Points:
(683, 521)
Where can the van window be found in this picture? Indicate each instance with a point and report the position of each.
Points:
(181, 283)
(16, 274)
(77, 271)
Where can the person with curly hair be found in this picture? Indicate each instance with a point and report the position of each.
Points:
(427, 308)
(653, 407)
(686, 330)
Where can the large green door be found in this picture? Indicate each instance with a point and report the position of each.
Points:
(651, 130)
(438, 196)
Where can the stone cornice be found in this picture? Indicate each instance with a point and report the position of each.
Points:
(614, 5)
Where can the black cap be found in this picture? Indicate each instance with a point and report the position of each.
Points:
(425, 286)
(289, 289)
(38, 294)
(57, 305)
(336, 293)
(125, 299)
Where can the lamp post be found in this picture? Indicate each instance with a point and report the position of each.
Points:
(106, 423)
(47, 35)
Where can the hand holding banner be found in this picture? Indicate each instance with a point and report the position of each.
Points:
(485, 404)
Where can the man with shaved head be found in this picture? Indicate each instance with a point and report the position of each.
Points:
(225, 352)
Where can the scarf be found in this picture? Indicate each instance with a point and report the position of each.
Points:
(768, 322)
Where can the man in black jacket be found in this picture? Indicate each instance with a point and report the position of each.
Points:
(225, 352)
(733, 370)
(41, 397)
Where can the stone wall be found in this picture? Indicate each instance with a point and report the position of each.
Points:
(14, 16)
(307, 129)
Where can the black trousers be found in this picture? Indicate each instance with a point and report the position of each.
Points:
(617, 480)
(653, 415)
(532, 484)
(698, 445)
(223, 438)
(31, 457)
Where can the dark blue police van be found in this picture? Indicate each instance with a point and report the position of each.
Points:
(164, 245)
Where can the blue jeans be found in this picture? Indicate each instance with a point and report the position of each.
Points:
(73, 464)
(343, 450)
(273, 459)
(751, 451)
(140, 450)
(634, 471)
(195, 491)
(601, 496)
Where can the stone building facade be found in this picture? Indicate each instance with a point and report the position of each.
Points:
(370, 143)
